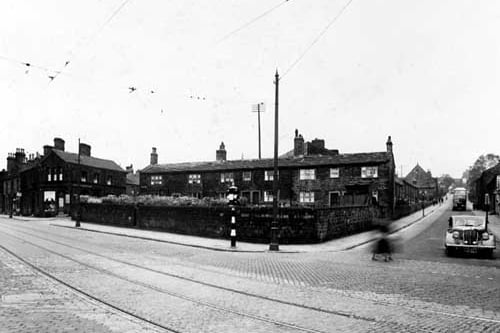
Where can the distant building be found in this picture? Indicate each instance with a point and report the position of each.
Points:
(10, 184)
(406, 193)
(51, 183)
(427, 185)
(309, 174)
(132, 184)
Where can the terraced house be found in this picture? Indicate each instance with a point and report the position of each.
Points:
(51, 183)
(309, 174)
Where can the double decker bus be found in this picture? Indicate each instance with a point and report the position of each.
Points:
(459, 199)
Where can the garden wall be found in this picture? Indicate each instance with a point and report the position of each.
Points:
(298, 225)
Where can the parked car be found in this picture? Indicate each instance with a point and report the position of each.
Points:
(469, 234)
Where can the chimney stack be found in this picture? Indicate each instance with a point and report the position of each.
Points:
(298, 144)
(46, 150)
(154, 157)
(84, 149)
(221, 154)
(11, 162)
(59, 144)
(389, 144)
(129, 168)
(20, 156)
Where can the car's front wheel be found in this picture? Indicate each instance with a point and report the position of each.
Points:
(487, 253)
(450, 252)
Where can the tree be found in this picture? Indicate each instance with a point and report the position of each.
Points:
(445, 181)
(482, 163)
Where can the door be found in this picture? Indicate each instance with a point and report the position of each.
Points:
(255, 197)
(61, 204)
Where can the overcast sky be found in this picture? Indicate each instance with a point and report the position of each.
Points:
(424, 72)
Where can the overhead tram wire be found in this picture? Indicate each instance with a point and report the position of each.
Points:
(267, 12)
(318, 37)
(93, 36)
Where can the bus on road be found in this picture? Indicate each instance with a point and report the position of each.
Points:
(459, 199)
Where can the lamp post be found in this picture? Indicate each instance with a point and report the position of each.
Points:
(274, 246)
(487, 208)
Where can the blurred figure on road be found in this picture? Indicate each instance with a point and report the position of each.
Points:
(383, 246)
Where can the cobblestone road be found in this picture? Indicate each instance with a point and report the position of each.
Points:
(321, 291)
(31, 302)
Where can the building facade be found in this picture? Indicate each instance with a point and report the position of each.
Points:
(488, 183)
(10, 182)
(309, 174)
(427, 185)
(53, 182)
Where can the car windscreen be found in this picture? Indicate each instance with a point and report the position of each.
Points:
(468, 221)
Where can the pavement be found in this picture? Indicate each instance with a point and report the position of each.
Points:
(336, 245)
(493, 223)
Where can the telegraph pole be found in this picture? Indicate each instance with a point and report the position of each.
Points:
(78, 176)
(274, 246)
(258, 108)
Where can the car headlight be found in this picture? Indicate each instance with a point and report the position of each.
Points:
(486, 236)
(456, 234)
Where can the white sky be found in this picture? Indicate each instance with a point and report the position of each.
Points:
(424, 72)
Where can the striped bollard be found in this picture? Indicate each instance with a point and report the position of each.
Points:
(233, 227)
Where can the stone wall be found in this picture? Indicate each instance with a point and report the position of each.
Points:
(298, 225)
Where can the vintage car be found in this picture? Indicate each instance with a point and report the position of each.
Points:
(469, 234)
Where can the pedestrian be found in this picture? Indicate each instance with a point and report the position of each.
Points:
(383, 245)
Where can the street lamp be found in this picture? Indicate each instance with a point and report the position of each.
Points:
(487, 208)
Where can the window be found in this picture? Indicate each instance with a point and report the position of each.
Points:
(369, 172)
(226, 177)
(109, 180)
(334, 173)
(268, 196)
(156, 180)
(60, 174)
(49, 175)
(96, 178)
(306, 197)
(84, 176)
(307, 174)
(269, 175)
(194, 179)
(247, 176)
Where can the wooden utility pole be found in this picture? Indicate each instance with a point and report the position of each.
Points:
(78, 176)
(274, 246)
(258, 108)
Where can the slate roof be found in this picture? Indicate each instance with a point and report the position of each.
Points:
(422, 177)
(88, 161)
(303, 161)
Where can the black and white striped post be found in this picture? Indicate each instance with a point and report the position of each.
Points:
(233, 227)
(233, 199)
